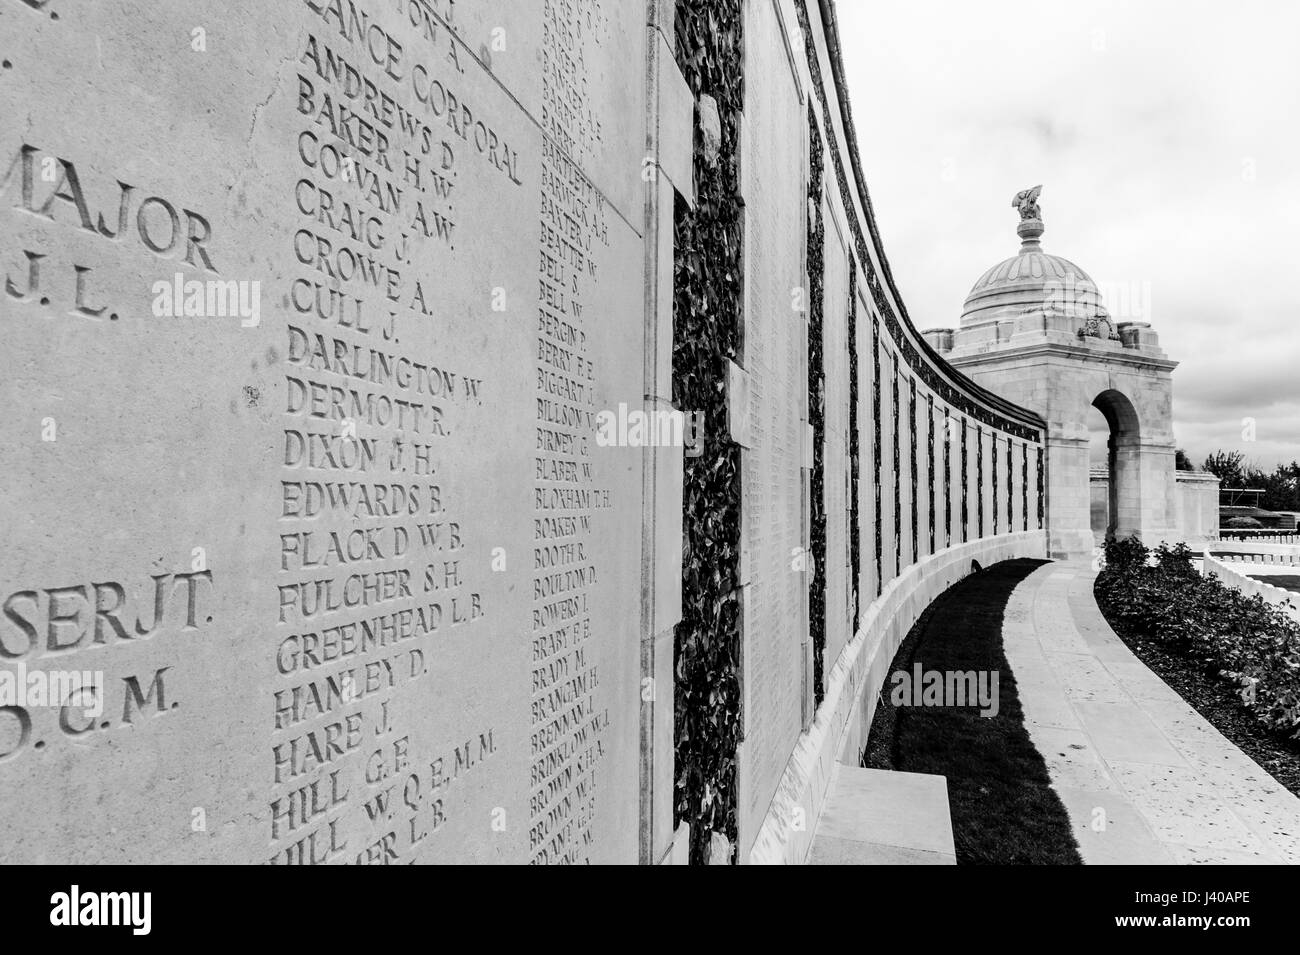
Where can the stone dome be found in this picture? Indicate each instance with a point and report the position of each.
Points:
(1032, 281)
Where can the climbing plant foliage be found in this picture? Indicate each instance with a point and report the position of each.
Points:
(707, 300)
(816, 407)
(877, 461)
(911, 470)
(855, 468)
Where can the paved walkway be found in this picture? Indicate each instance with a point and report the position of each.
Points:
(1144, 777)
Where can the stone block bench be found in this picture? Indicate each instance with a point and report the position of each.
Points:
(880, 817)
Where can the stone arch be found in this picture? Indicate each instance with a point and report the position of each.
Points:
(1060, 375)
(1123, 462)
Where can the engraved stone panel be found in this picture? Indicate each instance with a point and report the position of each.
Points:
(775, 356)
(312, 312)
(866, 450)
(836, 357)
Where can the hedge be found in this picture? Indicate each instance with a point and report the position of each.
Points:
(1248, 642)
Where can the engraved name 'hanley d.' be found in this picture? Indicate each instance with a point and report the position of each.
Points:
(489, 431)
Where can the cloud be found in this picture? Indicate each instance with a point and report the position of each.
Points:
(1164, 135)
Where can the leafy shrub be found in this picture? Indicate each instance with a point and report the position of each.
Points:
(1176, 561)
(1242, 522)
(1126, 552)
(1246, 641)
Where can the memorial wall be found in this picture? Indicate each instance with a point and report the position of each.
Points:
(310, 308)
(342, 493)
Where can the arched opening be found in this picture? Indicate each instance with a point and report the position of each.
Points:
(1115, 448)
(1099, 504)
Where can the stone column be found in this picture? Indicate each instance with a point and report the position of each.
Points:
(1157, 483)
(669, 132)
(1069, 530)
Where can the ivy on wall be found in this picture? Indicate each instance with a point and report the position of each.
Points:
(979, 482)
(1040, 487)
(1011, 492)
(993, 479)
(947, 480)
(816, 406)
(929, 469)
(1024, 485)
(855, 517)
(965, 491)
(898, 484)
(707, 310)
(875, 451)
(912, 475)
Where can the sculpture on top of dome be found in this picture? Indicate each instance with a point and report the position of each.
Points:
(1026, 201)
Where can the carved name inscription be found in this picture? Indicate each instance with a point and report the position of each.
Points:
(404, 647)
(373, 545)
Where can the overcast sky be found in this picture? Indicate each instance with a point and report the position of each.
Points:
(1167, 139)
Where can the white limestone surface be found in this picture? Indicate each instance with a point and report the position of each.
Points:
(1143, 776)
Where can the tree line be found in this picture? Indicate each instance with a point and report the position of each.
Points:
(1281, 486)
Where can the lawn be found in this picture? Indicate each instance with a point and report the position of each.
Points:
(1004, 810)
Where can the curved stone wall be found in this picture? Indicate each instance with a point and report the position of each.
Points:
(1285, 600)
(840, 730)
(947, 471)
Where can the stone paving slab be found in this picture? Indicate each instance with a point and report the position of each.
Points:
(1072, 760)
(1085, 679)
(1182, 807)
(1109, 828)
(1050, 708)
(1123, 731)
(1144, 777)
